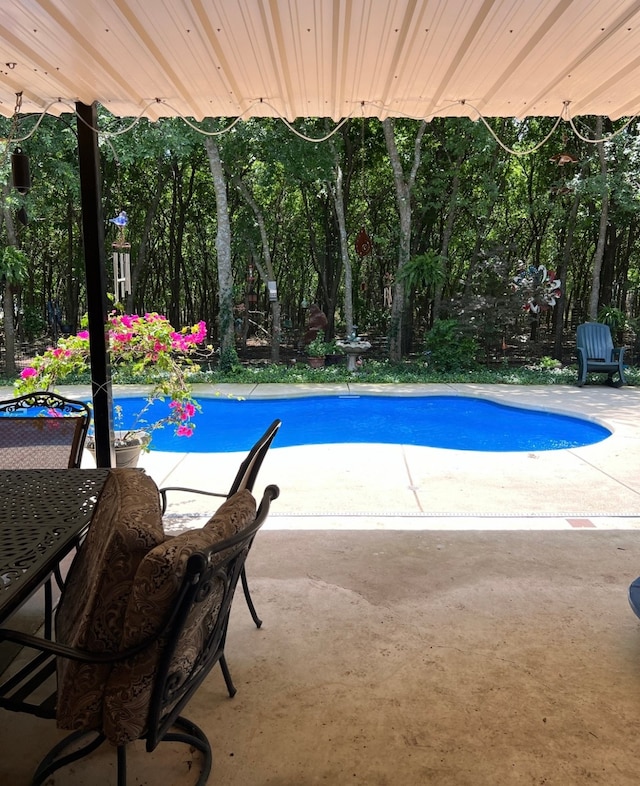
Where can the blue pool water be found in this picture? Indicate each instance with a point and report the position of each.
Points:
(455, 422)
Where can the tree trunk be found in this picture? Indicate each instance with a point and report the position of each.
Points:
(9, 315)
(403, 187)
(602, 234)
(562, 275)
(338, 199)
(446, 239)
(223, 251)
(266, 273)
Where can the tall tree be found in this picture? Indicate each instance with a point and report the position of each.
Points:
(13, 270)
(602, 230)
(404, 184)
(223, 251)
(265, 266)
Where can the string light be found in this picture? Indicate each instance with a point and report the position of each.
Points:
(380, 107)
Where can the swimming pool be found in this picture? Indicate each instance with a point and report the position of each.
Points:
(455, 422)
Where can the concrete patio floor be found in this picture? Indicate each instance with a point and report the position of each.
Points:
(354, 486)
(430, 617)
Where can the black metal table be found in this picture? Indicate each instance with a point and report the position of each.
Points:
(43, 515)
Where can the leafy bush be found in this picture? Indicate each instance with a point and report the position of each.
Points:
(32, 323)
(448, 348)
(615, 318)
(229, 361)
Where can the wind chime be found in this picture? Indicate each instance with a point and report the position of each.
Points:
(121, 259)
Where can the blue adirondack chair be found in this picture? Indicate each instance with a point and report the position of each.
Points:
(596, 354)
(634, 596)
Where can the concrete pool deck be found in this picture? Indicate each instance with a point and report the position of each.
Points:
(376, 486)
(406, 487)
(440, 655)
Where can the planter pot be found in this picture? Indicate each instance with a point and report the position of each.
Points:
(127, 453)
(316, 362)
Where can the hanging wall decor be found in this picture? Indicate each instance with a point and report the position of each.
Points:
(364, 245)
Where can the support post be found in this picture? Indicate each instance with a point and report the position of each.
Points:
(94, 263)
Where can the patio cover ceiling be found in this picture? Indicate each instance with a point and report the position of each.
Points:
(327, 58)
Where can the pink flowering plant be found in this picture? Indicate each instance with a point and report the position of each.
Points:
(141, 347)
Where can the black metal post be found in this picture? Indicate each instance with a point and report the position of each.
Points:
(94, 263)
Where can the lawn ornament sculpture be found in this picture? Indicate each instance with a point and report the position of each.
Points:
(317, 322)
(542, 287)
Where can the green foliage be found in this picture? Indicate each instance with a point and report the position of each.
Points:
(32, 324)
(229, 361)
(318, 348)
(547, 362)
(498, 209)
(614, 317)
(423, 271)
(14, 265)
(448, 348)
(383, 372)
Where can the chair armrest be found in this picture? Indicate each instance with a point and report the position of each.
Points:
(74, 653)
(163, 494)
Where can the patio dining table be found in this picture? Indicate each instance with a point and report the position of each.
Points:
(43, 516)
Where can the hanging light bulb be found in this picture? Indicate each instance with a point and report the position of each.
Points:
(20, 175)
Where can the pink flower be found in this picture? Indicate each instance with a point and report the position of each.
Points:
(123, 337)
(128, 319)
(189, 409)
(201, 332)
(28, 372)
(83, 334)
(184, 431)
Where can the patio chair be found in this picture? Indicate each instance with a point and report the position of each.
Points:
(634, 596)
(42, 431)
(597, 355)
(141, 622)
(245, 479)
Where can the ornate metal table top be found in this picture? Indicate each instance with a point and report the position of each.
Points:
(42, 515)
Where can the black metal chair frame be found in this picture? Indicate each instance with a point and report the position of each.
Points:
(245, 479)
(67, 408)
(47, 400)
(171, 691)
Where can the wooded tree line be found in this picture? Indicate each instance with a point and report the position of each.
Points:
(450, 219)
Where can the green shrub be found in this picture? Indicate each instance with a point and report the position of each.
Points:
(229, 361)
(615, 318)
(448, 348)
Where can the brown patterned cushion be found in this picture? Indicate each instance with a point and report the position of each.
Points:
(126, 524)
(156, 585)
